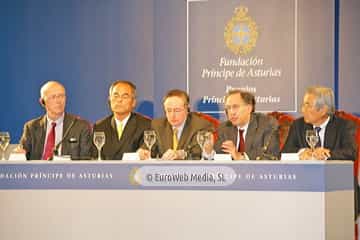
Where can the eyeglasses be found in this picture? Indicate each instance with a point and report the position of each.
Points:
(234, 107)
(55, 96)
(307, 105)
(123, 97)
(174, 110)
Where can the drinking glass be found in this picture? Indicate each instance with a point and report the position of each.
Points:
(149, 139)
(312, 139)
(99, 141)
(4, 142)
(202, 138)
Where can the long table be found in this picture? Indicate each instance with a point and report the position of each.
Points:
(177, 200)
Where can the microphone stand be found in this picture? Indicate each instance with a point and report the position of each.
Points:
(264, 155)
(56, 148)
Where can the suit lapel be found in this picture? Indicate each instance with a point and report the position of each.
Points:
(251, 133)
(66, 125)
(42, 135)
(168, 137)
(113, 138)
(127, 134)
(330, 134)
(186, 133)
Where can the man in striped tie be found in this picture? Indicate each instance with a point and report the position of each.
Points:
(336, 135)
(176, 132)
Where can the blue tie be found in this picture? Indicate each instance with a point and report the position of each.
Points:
(318, 129)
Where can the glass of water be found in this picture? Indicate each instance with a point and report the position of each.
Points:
(312, 139)
(203, 137)
(4, 142)
(149, 139)
(99, 141)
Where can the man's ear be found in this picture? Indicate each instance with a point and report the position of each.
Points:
(109, 104)
(42, 102)
(134, 103)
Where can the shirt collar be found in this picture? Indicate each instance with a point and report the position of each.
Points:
(180, 128)
(324, 124)
(57, 121)
(123, 122)
(245, 127)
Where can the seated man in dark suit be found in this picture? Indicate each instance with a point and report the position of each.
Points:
(124, 129)
(56, 131)
(337, 135)
(176, 133)
(246, 134)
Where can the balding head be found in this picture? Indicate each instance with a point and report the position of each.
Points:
(53, 99)
(50, 85)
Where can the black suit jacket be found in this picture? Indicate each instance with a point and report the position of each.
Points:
(187, 140)
(262, 136)
(131, 139)
(76, 129)
(339, 138)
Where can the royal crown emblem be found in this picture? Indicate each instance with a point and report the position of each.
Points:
(241, 32)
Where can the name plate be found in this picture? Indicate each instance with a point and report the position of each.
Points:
(247, 176)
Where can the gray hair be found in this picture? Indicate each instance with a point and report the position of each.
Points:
(130, 84)
(324, 97)
(48, 84)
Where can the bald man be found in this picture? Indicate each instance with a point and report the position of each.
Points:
(56, 132)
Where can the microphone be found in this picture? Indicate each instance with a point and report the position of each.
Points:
(188, 151)
(56, 148)
(264, 155)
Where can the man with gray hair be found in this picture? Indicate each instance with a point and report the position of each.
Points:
(336, 135)
(123, 128)
(57, 131)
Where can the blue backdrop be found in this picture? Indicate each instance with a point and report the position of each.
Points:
(86, 44)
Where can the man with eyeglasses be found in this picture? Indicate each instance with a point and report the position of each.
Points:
(176, 133)
(57, 132)
(124, 129)
(336, 135)
(246, 134)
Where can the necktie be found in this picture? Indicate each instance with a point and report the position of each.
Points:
(50, 143)
(175, 138)
(318, 129)
(119, 130)
(241, 147)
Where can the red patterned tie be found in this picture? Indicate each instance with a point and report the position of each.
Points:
(241, 147)
(50, 143)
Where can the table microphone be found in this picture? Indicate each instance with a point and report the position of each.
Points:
(56, 148)
(264, 155)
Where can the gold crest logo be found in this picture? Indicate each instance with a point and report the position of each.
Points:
(134, 176)
(241, 32)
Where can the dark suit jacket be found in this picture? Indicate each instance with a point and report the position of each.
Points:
(131, 140)
(339, 138)
(262, 136)
(34, 134)
(187, 141)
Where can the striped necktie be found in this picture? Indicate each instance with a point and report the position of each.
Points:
(175, 138)
(318, 129)
(119, 129)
